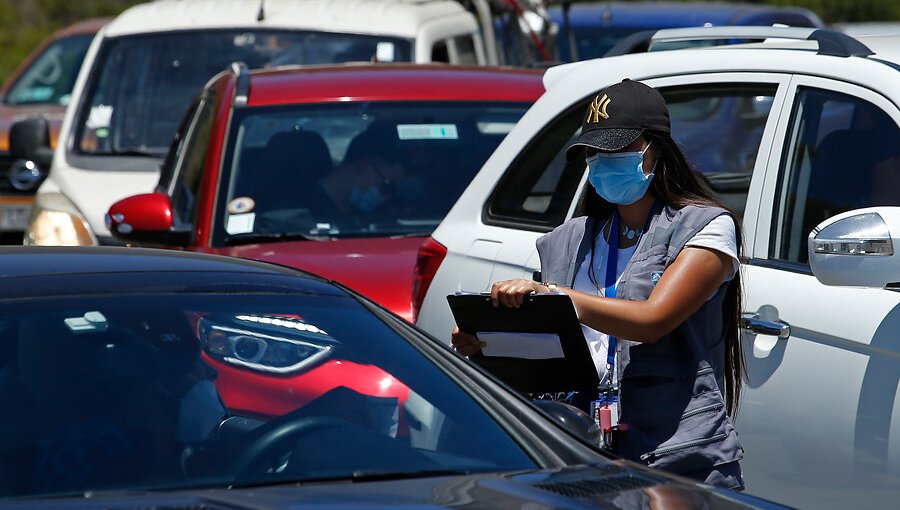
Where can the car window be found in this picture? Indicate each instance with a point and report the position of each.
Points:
(719, 127)
(842, 153)
(354, 169)
(464, 48)
(176, 390)
(50, 78)
(191, 161)
(594, 41)
(440, 52)
(539, 187)
(176, 149)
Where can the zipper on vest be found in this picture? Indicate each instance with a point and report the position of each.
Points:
(662, 452)
(699, 410)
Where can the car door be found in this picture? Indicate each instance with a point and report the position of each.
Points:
(819, 419)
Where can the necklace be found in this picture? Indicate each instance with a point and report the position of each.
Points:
(631, 234)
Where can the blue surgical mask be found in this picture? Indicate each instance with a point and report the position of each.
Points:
(619, 177)
(366, 201)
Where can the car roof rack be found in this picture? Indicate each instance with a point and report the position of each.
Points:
(241, 83)
(831, 42)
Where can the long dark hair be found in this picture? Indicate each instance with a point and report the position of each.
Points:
(677, 184)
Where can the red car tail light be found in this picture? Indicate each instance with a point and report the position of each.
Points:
(428, 260)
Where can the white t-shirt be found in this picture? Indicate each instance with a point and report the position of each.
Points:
(719, 235)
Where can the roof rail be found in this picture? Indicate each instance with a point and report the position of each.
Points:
(241, 83)
(831, 42)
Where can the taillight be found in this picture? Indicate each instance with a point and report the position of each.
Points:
(428, 260)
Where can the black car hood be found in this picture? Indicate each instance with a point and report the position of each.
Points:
(611, 486)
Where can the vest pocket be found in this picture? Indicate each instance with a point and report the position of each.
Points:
(650, 457)
(704, 409)
(678, 425)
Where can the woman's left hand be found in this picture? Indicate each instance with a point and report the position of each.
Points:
(512, 293)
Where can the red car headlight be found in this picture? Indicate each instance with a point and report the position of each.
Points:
(265, 352)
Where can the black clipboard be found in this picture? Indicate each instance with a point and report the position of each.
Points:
(539, 313)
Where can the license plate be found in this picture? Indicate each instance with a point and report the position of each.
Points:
(14, 218)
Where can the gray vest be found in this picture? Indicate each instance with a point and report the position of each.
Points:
(670, 391)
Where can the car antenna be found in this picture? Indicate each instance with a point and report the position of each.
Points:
(261, 15)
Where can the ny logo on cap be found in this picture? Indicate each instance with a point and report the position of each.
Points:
(597, 109)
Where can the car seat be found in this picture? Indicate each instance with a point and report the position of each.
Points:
(290, 164)
(841, 172)
(378, 139)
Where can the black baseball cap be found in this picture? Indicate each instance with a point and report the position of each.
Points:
(619, 114)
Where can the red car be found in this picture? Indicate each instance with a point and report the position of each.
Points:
(343, 171)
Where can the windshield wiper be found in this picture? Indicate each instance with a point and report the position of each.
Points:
(356, 476)
(373, 476)
(411, 234)
(268, 237)
(133, 152)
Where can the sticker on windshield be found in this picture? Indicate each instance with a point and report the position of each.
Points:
(240, 223)
(427, 132)
(241, 205)
(99, 117)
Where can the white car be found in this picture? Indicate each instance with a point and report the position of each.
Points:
(144, 68)
(805, 145)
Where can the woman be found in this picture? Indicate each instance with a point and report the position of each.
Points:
(652, 261)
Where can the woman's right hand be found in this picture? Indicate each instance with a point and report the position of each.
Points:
(512, 293)
(465, 343)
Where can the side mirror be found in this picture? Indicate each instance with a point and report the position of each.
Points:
(146, 219)
(572, 419)
(857, 248)
(29, 145)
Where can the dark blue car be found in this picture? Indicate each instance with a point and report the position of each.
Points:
(136, 378)
(597, 26)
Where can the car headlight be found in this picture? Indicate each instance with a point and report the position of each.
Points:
(56, 222)
(261, 351)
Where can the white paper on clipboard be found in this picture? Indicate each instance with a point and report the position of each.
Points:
(521, 345)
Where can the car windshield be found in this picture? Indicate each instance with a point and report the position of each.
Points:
(354, 169)
(142, 85)
(50, 77)
(181, 389)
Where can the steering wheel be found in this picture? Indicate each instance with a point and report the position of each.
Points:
(273, 437)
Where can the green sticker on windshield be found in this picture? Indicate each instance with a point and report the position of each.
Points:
(427, 132)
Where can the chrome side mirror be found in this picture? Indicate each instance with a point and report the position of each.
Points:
(857, 248)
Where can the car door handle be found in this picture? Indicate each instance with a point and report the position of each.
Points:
(751, 321)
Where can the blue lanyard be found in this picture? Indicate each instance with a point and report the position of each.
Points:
(610, 290)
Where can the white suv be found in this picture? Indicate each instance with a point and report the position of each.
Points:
(791, 137)
(144, 68)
